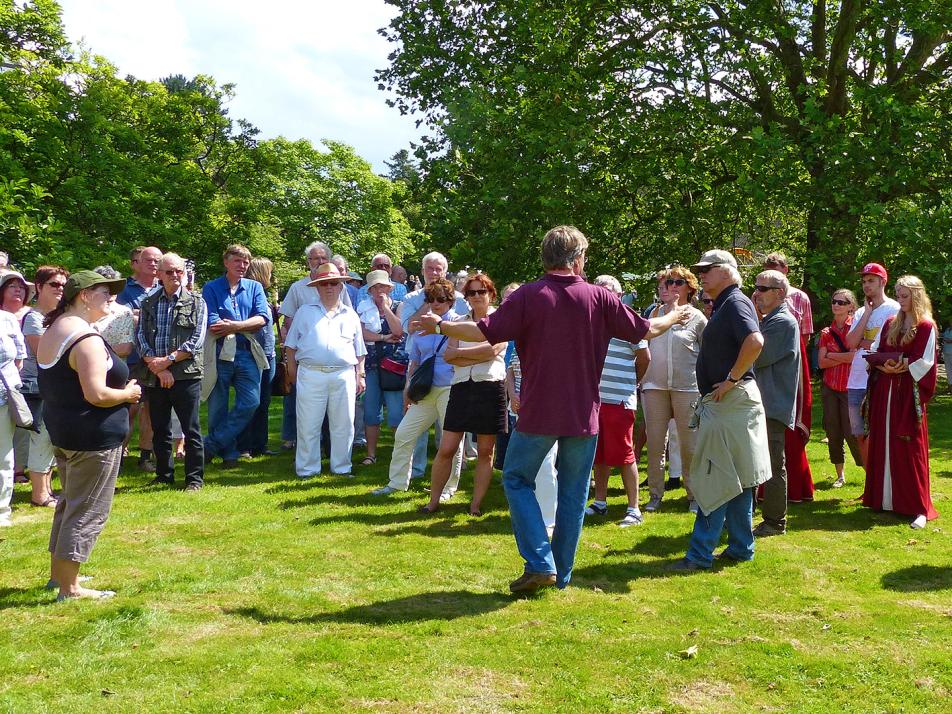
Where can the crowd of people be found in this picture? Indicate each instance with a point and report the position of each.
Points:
(542, 381)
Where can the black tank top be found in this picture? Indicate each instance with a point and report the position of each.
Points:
(74, 423)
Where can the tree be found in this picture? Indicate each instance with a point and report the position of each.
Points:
(673, 125)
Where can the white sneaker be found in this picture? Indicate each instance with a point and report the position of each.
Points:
(384, 491)
(920, 522)
(840, 482)
(632, 518)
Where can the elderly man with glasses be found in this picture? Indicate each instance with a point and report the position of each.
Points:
(731, 457)
(777, 370)
(170, 337)
(325, 357)
(382, 261)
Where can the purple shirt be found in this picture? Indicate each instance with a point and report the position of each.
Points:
(561, 326)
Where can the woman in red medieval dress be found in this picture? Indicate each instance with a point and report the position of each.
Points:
(897, 474)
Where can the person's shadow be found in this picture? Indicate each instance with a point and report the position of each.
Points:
(440, 605)
(919, 578)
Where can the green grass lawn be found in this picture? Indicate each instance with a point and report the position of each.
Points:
(264, 593)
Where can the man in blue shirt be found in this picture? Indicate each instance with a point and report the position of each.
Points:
(145, 267)
(382, 261)
(237, 310)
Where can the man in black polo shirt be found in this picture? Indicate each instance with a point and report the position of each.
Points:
(731, 457)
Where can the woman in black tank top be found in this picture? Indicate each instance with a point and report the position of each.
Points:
(86, 392)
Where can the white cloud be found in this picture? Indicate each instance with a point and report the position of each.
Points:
(301, 69)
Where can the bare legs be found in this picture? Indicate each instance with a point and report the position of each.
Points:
(629, 478)
(442, 463)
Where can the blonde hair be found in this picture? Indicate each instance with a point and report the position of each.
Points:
(679, 271)
(261, 270)
(902, 331)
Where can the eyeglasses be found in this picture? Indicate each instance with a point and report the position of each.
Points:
(480, 291)
(381, 266)
(679, 282)
(56, 286)
(437, 302)
(764, 288)
(174, 271)
(840, 302)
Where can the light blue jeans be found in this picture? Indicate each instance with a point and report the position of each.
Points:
(573, 471)
(737, 515)
(225, 426)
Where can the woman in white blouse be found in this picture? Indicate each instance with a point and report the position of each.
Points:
(669, 388)
(477, 401)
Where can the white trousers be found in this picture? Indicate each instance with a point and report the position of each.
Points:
(418, 419)
(6, 465)
(320, 393)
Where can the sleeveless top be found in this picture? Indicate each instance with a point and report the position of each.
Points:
(74, 423)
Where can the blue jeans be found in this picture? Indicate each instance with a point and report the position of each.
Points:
(375, 399)
(736, 514)
(224, 426)
(289, 421)
(574, 470)
(854, 402)
(254, 438)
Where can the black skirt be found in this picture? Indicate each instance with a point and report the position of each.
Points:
(477, 407)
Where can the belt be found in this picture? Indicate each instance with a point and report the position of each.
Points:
(327, 368)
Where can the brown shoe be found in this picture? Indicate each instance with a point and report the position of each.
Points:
(531, 582)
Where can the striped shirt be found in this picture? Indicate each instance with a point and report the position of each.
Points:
(619, 381)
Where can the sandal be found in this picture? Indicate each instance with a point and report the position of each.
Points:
(475, 512)
(426, 510)
(50, 502)
(368, 461)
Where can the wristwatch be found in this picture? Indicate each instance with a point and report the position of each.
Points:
(438, 330)
(171, 357)
(731, 379)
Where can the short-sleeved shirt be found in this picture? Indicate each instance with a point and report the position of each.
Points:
(300, 293)
(799, 304)
(858, 373)
(118, 327)
(425, 346)
(325, 338)
(12, 347)
(131, 296)
(32, 325)
(836, 378)
(247, 301)
(733, 320)
(619, 382)
(562, 326)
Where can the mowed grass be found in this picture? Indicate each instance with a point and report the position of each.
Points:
(264, 593)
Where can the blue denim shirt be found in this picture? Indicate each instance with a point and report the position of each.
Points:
(248, 301)
(131, 296)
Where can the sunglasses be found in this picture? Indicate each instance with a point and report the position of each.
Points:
(437, 302)
(840, 302)
(174, 271)
(704, 269)
(480, 291)
(329, 284)
(56, 286)
(764, 288)
(679, 282)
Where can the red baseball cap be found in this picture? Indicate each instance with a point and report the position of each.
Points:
(875, 269)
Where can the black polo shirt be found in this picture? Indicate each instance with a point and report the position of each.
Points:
(733, 319)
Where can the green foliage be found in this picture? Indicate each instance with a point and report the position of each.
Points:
(94, 164)
(665, 127)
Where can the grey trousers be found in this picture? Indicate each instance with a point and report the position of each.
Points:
(89, 482)
(774, 505)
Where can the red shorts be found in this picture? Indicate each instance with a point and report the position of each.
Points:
(614, 446)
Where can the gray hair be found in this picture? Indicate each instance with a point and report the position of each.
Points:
(610, 282)
(170, 258)
(107, 271)
(435, 256)
(735, 275)
(562, 246)
(778, 280)
(340, 259)
(315, 245)
(4, 259)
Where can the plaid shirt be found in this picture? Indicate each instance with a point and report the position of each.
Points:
(163, 318)
(799, 305)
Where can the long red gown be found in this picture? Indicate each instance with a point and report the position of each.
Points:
(799, 477)
(901, 482)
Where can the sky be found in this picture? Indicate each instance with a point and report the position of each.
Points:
(302, 69)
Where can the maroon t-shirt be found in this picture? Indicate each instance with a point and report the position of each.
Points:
(561, 326)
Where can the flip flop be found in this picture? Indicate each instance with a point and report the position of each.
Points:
(50, 502)
(368, 461)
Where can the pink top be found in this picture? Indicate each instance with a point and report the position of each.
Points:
(561, 326)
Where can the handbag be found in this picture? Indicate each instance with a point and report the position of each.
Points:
(392, 375)
(279, 385)
(19, 410)
(421, 381)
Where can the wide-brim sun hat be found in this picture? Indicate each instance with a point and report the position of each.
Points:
(84, 279)
(9, 275)
(716, 257)
(325, 274)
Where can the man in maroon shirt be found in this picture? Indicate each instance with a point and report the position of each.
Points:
(561, 326)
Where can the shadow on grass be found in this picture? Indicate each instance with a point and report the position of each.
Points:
(828, 515)
(614, 577)
(23, 597)
(441, 605)
(658, 545)
(445, 524)
(919, 578)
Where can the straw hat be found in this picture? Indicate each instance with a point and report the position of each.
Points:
(326, 273)
(378, 277)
